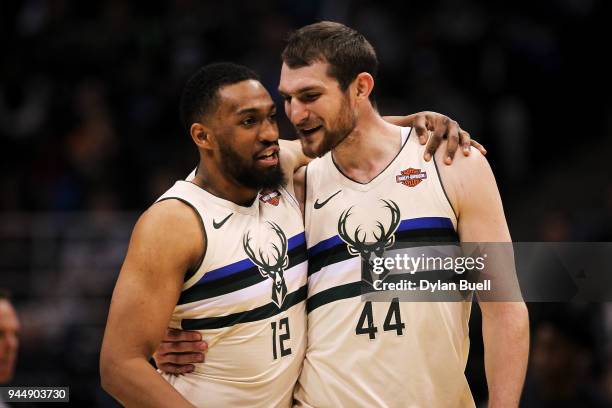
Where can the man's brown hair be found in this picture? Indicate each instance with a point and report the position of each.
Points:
(346, 51)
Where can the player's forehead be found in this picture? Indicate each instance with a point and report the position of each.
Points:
(243, 96)
(295, 80)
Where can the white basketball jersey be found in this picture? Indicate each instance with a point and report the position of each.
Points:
(247, 299)
(378, 354)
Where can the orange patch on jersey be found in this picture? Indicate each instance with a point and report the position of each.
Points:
(411, 177)
(270, 197)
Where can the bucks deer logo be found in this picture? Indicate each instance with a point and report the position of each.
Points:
(357, 244)
(275, 269)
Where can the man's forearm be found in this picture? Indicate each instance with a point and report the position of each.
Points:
(407, 120)
(505, 330)
(292, 156)
(134, 382)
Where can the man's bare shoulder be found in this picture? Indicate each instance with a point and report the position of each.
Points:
(466, 177)
(168, 216)
(170, 228)
(474, 162)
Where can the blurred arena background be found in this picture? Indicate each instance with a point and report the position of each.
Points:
(90, 137)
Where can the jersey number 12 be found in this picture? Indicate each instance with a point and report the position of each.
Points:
(283, 335)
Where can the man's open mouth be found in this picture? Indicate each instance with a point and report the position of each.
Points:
(309, 131)
(268, 157)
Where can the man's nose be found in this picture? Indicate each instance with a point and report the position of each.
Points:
(269, 132)
(299, 113)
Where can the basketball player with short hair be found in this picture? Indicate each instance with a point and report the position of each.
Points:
(222, 254)
(370, 191)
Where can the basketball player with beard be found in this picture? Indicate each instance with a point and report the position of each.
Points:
(210, 255)
(372, 173)
(222, 254)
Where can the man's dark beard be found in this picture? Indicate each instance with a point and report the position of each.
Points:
(251, 177)
(343, 126)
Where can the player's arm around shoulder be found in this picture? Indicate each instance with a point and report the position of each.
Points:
(299, 187)
(292, 156)
(472, 190)
(292, 159)
(166, 242)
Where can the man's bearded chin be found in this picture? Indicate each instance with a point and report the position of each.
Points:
(343, 126)
(250, 176)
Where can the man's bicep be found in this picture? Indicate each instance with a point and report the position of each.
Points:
(482, 222)
(481, 211)
(150, 281)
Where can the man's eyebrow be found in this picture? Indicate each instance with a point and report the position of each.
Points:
(302, 90)
(255, 110)
(309, 88)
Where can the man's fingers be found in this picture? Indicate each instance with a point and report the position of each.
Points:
(420, 126)
(436, 138)
(177, 369)
(478, 146)
(464, 141)
(453, 141)
(180, 358)
(182, 347)
(182, 335)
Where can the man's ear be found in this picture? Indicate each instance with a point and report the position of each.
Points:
(364, 84)
(202, 136)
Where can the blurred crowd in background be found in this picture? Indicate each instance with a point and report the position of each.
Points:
(90, 137)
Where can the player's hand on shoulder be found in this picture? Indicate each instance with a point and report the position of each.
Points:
(432, 128)
(179, 351)
(470, 165)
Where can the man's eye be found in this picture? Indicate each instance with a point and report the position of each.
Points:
(310, 97)
(249, 121)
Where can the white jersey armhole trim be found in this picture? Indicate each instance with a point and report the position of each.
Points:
(443, 196)
(194, 274)
(405, 133)
(291, 197)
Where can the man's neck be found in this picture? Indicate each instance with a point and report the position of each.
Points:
(223, 188)
(369, 148)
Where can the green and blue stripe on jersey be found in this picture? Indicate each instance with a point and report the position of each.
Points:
(413, 232)
(239, 275)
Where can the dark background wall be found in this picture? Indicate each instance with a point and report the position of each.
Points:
(90, 137)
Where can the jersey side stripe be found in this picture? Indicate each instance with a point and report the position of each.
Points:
(259, 313)
(403, 239)
(324, 297)
(405, 225)
(240, 266)
(237, 281)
